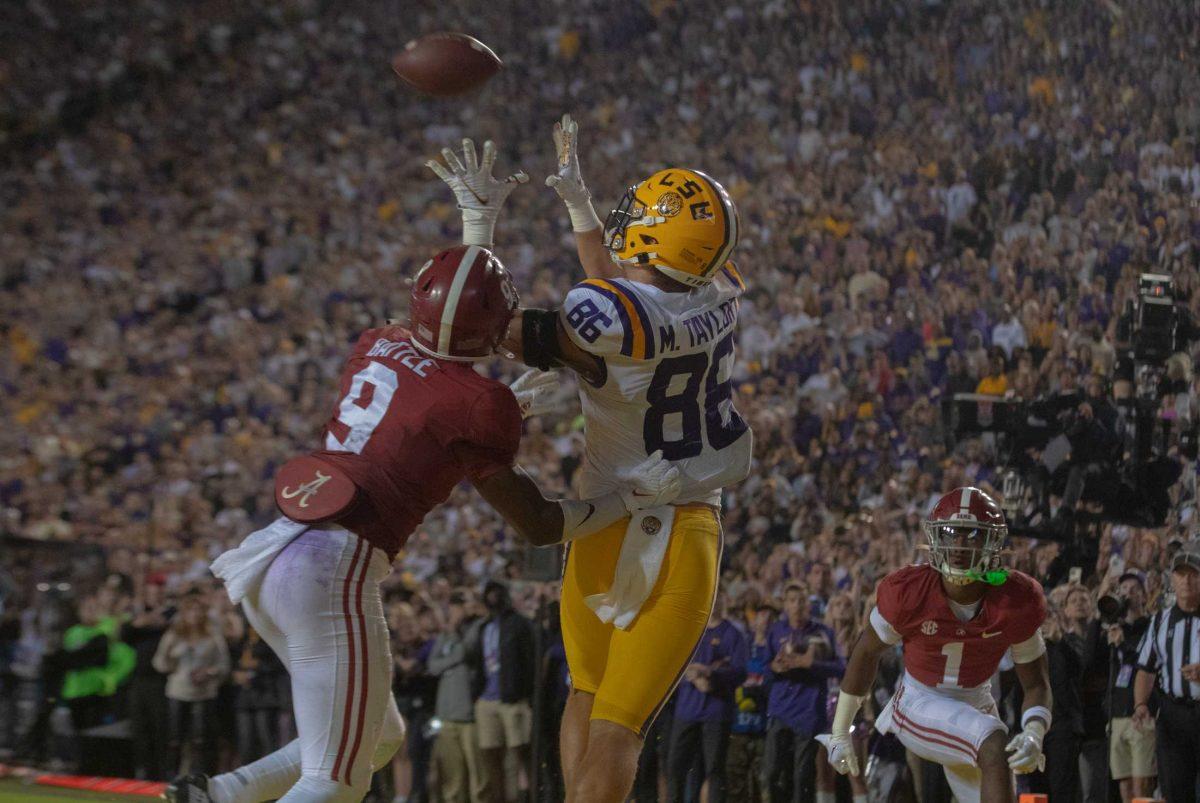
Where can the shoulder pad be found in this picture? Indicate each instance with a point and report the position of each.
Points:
(605, 317)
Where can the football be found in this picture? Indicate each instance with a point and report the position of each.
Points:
(445, 64)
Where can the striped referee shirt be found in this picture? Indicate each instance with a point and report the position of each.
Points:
(1171, 641)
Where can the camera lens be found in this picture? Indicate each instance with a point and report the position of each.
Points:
(1112, 608)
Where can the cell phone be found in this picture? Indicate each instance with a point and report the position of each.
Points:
(1075, 575)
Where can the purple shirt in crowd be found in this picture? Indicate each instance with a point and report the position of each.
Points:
(726, 646)
(797, 697)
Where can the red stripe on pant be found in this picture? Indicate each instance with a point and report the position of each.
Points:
(364, 665)
(936, 736)
(348, 706)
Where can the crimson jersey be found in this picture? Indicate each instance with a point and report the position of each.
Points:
(940, 650)
(408, 428)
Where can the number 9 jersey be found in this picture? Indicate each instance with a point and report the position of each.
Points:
(666, 384)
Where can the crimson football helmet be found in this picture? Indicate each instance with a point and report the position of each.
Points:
(966, 531)
(462, 302)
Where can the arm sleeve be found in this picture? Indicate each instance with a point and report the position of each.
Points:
(1029, 650)
(492, 434)
(883, 628)
(888, 617)
(596, 319)
(1147, 657)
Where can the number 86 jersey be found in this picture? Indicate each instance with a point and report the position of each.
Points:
(668, 361)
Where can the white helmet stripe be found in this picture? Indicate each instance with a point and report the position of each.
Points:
(451, 306)
(964, 502)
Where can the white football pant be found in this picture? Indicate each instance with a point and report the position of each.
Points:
(319, 608)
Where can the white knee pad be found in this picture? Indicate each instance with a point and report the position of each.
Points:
(391, 737)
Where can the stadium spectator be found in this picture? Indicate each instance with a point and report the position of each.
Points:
(503, 717)
(704, 709)
(195, 660)
(454, 661)
(147, 693)
(1131, 758)
(805, 658)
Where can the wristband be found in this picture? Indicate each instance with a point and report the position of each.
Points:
(583, 217)
(843, 715)
(1036, 711)
(479, 226)
(582, 518)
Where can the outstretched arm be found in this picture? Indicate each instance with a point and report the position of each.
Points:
(541, 521)
(1034, 675)
(856, 685)
(595, 258)
(541, 342)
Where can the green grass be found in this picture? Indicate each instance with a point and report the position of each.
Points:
(12, 791)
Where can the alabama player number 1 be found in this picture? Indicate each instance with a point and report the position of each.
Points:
(953, 652)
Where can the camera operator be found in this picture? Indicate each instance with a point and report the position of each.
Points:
(1130, 750)
(1167, 665)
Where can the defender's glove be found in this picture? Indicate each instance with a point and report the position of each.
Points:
(1026, 748)
(838, 743)
(479, 195)
(568, 182)
(533, 390)
(841, 753)
(651, 483)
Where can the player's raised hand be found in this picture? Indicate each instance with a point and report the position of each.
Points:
(841, 753)
(534, 390)
(567, 181)
(479, 194)
(651, 483)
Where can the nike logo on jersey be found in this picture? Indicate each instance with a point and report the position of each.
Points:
(591, 510)
(989, 635)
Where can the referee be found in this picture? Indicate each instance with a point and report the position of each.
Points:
(1170, 654)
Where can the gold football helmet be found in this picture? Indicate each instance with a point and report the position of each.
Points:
(680, 221)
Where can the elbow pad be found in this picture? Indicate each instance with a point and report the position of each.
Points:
(539, 338)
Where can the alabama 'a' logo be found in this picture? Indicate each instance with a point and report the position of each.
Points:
(306, 491)
(929, 627)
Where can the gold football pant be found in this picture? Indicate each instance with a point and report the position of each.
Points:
(633, 672)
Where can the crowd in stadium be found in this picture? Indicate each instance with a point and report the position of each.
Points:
(935, 198)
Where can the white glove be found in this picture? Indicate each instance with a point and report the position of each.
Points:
(841, 753)
(479, 195)
(568, 182)
(1026, 749)
(534, 390)
(651, 483)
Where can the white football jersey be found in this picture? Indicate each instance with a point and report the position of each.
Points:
(668, 361)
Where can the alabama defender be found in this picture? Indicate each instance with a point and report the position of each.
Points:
(956, 617)
(651, 334)
(412, 421)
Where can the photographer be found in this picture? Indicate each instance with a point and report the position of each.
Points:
(1166, 664)
(1131, 750)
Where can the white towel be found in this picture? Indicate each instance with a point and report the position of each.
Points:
(638, 566)
(243, 567)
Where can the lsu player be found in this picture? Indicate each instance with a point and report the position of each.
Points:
(651, 334)
(956, 617)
